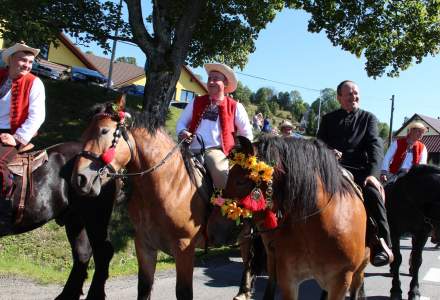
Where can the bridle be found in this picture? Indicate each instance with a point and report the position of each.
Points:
(106, 158)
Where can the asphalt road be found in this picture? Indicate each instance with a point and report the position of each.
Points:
(219, 279)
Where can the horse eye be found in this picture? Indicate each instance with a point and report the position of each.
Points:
(104, 131)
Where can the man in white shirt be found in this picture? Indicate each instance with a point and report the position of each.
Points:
(405, 152)
(217, 119)
(22, 106)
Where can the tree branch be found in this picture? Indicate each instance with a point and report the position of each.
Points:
(140, 34)
(185, 28)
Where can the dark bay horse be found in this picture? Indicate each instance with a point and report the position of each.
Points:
(167, 212)
(85, 219)
(413, 206)
(321, 233)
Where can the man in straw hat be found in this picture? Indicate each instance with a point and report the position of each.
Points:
(216, 118)
(353, 135)
(22, 107)
(404, 153)
(286, 128)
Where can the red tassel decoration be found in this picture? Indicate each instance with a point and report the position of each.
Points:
(254, 201)
(108, 155)
(270, 220)
(121, 116)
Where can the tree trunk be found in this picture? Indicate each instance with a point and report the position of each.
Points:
(162, 74)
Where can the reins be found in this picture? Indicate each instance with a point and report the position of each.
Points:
(149, 170)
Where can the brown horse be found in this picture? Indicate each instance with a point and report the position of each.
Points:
(321, 233)
(167, 212)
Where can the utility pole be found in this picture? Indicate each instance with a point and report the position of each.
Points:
(390, 137)
(319, 113)
(110, 68)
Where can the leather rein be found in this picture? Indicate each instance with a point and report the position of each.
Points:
(121, 130)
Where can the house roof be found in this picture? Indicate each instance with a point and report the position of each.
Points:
(122, 72)
(75, 50)
(434, 123)
(432, 143)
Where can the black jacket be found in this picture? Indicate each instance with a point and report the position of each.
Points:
(356, 135)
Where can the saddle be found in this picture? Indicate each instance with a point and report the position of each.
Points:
(22, 166)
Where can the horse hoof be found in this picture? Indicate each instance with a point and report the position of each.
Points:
(413, 297)
(396, 296)
(243, 296)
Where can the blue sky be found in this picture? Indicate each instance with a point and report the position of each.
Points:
(288, 53)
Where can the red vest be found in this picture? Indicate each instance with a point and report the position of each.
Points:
(226, 109)
(400, 154)
(20, 90)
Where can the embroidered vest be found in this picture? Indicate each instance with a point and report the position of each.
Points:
(20, 90)
(227, 109)
(400, 154)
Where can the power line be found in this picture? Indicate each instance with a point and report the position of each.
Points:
(279, 82)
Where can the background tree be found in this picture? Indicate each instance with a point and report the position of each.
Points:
(384, 131)
(328, 104)
(389, 33)
(284, 100)
(263, 95)
(127, 59)
(242, 94)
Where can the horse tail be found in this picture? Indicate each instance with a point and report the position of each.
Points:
(258, 256)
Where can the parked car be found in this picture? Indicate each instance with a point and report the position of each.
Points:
(133, 89)
(43, 71)
(87, 76)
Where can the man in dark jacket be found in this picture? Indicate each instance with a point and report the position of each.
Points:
(353, 135)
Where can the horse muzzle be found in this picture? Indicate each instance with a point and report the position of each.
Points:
(87, 183)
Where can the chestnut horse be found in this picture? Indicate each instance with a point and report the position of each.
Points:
(321, 233)
(167, 212)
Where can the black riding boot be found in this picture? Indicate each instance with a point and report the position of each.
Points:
(375, 206)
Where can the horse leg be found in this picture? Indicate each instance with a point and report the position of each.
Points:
(396, 291)
(184, 273)
(97, 218)
(247, 278)
(357, 290)
(337, 288)
(418, 242)
(81, 254)
(146, 258)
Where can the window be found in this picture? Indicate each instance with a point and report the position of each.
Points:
(187, 96)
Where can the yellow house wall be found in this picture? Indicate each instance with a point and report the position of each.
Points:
(63, 55)
(1, 43)
(185, 82)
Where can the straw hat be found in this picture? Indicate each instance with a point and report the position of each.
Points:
(7, 53)
(286, 123)
(227, 72)
(418, 125)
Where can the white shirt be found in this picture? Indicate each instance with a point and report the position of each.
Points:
(210, 130)
(407, 162)
(36, 113)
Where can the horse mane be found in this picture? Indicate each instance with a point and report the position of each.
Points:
(298, 165)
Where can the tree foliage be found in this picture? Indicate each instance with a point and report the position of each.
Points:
(391, 34)
(127, 59)
(242, 94)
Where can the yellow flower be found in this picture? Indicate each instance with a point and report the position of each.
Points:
(239, 159)
(251, 162)
(267, 174)
(246, 213)
(234, 211)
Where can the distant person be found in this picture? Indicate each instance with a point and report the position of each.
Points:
(257, 121)
(404, 153)
(353, 135)
(286, 129)
(267, 128)
(217, 119)
(22, 107)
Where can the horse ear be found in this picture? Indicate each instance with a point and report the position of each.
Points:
(120, 102)
(246, 145)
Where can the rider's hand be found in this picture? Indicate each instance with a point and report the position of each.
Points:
(383, 178)
(376, 184)
(8, 139)
(185, 135)
(338, 154)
